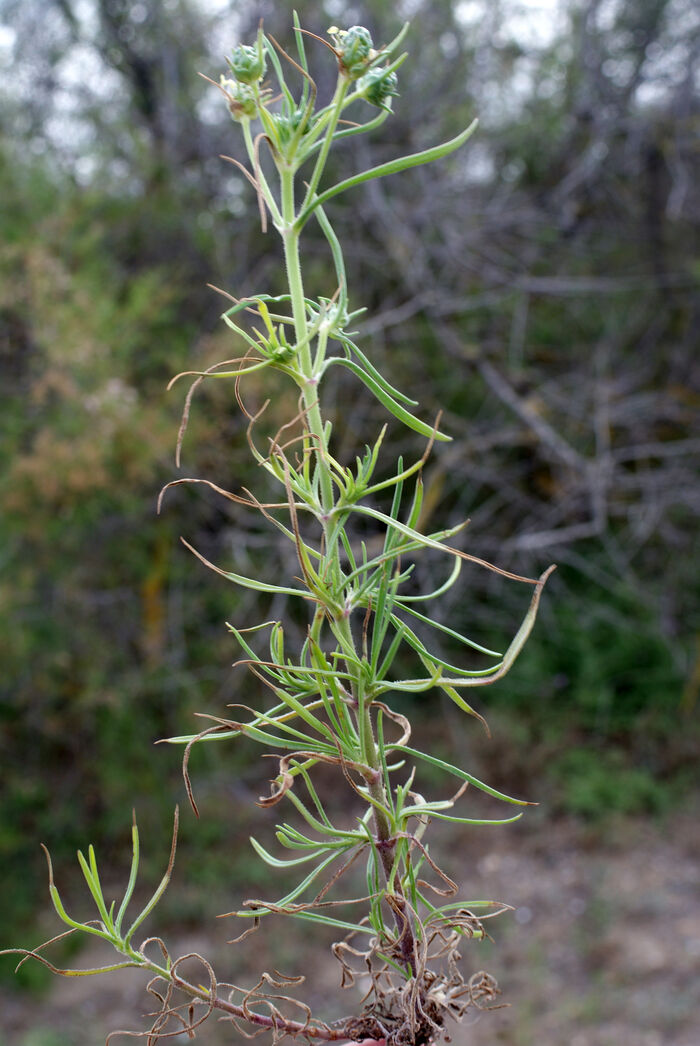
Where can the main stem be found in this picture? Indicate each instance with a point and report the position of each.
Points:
(385, 844)
(290, 239)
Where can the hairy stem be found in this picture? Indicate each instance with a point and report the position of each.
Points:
(290, 239)
(337, 108)
(386, 844)
(370, 755)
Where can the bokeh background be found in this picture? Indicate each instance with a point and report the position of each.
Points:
(540, 287)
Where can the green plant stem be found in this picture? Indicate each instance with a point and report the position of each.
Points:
(290, 239)
(337, 108)
(386, 844)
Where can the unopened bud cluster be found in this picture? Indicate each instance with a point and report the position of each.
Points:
(248, 63)
(378, 86)
(356, 57)
(241, 101)
(354, 49)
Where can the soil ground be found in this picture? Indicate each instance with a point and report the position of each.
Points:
(603, 948)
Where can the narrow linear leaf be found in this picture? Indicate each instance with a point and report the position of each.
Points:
(162, 886)
(132, 875)
(276, 862)
(446, 629)
(93, 881)
(402, 163)
(65, 917)
(409, 420)
(420, 811)
(327, 920)
(513, 650)
(246, 582)
(457, 772)
(293, 894)
(368, 366)
(429, 542)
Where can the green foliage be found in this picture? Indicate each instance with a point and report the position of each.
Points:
(330, 692)
(92, 671)
(596, 784)
(108, 640)
(43, 1037)
(607, 689)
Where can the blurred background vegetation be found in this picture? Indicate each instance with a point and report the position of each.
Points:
(540, 286)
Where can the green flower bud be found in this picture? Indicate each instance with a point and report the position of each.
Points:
(354, 49)
(288, 125)
(247, 63)
(241, 100)
(378, 86)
